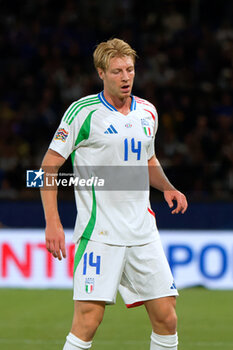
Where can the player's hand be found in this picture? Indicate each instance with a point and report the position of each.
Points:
(55, 241)
(174, 195)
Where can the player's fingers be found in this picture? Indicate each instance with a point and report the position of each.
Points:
(63, 248)
(169, 200)
(170, 203)
(57, 253)
(181, 204)
(52, 248)
(185, 206)
(178, 204)
(177, 210)
(47, 242)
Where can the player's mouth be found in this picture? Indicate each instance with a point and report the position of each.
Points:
(125, 88)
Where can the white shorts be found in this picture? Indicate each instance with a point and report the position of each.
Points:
(140, 273)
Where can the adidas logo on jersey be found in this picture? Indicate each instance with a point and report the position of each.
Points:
(111, 130)
(173, 286)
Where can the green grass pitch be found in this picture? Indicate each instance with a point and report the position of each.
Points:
(40, 320)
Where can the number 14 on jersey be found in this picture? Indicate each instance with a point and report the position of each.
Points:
(130, 146)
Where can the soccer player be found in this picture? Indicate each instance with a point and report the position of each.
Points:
(117, 242)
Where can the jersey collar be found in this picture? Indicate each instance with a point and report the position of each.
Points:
(111, 107)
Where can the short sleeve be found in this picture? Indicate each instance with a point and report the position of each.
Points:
(63, 141)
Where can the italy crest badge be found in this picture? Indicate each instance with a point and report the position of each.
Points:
(146, 127)
(89, 285)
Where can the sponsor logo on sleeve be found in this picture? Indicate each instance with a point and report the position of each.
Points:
(61, 135)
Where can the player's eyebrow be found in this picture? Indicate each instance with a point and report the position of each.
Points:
(118, 69)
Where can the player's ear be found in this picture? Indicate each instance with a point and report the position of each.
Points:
(101, 73)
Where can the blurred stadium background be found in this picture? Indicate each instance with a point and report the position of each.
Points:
(185, 68)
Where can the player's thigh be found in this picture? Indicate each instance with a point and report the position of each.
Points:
(87, 318)
(162, 311)
(88, 312)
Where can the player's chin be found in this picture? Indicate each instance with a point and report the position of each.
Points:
(126, 93)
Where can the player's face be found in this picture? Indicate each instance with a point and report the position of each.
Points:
(118, 77)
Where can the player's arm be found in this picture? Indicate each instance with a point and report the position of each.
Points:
(54, 233)
(159, 181)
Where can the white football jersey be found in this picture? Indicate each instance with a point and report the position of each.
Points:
(107, 145)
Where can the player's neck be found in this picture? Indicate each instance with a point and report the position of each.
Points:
(122, 105)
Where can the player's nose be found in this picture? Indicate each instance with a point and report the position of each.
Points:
(125, 76)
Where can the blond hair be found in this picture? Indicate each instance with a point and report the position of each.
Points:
(109, 49)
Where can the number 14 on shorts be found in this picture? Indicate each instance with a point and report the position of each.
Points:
(88, 260)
